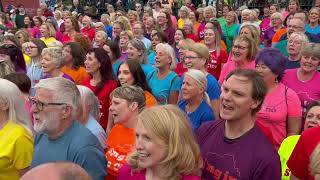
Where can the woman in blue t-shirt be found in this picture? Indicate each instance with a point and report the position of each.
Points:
(195, 101)
(164, 82)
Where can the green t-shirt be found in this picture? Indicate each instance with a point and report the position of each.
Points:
(229, 33)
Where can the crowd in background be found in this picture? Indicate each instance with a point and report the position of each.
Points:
(211, 93)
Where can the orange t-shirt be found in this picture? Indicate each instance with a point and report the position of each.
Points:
(150, 99)
(77, 75)
(278, 34)
(120, 143)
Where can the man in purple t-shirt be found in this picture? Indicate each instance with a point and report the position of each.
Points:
(235, 148)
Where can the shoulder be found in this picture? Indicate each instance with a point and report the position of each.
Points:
(208, 129)
(81, 137)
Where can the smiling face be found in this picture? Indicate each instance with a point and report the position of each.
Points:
(209, 37)
(48, 64)
(309, 63)
(91, 63)
(190, 89)
(230, 17)
(27, 20)
(236, 91)
(312, 118)
(137, 31)
(44, 31)
(124, 75)
(193, 61)
(314, 16)
(163, 60)
(133, 53)
(273, 9)
(151, 149)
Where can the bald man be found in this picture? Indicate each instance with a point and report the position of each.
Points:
(57, 171)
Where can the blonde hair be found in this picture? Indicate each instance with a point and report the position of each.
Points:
(185, 9)
(133, 13)
(124, 20)
(127, 33)
(12, 97)
(170, 52)
(188, 22)
(170, 125)
(311, 49)
(201, 50)
(254, 31)
(52, 31)
(300, 36)
(252, 46)
(104, 35)
(315, 161)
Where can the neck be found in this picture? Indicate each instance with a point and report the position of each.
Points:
(55, 73)
(270, 85)
(155, 172)
(69, 64)
(305, 76)
(236, 128)
(276, 28)
(313, 24)
(240, 63)
(36, 59)
(229, 23)
(194, 103)
(293, 57)
(163, 71)
(65, 124)
(96, 77)
(132, 122)
(123, 49)
(212, 47)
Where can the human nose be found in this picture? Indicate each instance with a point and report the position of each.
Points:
(139, 143)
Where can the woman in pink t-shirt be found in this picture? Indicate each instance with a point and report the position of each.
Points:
(243, 54)
(281, 110)
(305, 80)
(165, 149)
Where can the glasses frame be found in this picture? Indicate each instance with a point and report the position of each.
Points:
(40, 105)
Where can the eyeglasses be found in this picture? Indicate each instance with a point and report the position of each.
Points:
(31, 47)
(40, 105)
(295, 27)
(190, 57)
(239, 47)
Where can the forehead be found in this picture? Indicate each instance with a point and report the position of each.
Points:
(239, 83)
(44, 94)
(295, 21)
(241, 42)
(191, 53)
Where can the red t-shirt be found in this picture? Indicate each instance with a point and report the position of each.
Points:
(214, 65)
(299, 160)
(104, 99)
(89, 32)
(180, 70)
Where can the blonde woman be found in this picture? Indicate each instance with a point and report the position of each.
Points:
(165, 149)
(15, 132)
(133, 17)
(183, 15)
(125, 37)
(100, 39)
(250, 30)
(188, 29)
(48, 33)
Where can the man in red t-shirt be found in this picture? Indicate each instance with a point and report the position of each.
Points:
(87, 29)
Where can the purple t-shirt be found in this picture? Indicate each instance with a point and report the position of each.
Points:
(268, 35)
(126, 173)
(64, 76)
(307, 91)
(170, 34)
(251, 156)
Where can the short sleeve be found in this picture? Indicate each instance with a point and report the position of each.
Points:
(294, 110)
(213, 88)
(223, 56)
(23, 151)
(176, 83)
(298, 162)
(270, 169)
(93, 161)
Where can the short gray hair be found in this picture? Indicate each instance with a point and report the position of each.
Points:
(88, 97)
(56, 54)
(201, 80)
(170, 52)
(64, 90)
(139, 45)
(311, 49)
(130, 94)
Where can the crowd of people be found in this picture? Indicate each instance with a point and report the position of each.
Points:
(144, 94)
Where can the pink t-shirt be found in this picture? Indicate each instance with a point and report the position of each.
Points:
(126, 173)
(274, 111)
(231, 65)
(307, 91)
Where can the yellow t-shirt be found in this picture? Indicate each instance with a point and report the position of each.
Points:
(284, 152)
(16, 149)
(180, 23)
(27, 59)
(49, 40)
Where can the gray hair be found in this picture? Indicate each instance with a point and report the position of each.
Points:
(130, 94)
(64, 90)
(201, 80)
(170, 52)
(56, 54)
(89, 98)
(311, 49)
(104, 34)
(139, 45)
(210, 8)
(17, 112)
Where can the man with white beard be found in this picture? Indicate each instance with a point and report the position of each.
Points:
(60, 137)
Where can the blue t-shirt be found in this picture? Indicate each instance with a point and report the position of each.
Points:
(108, 30)
(35, 73)
(115, 68)
(314, 30)
(147, 68)
(202, 114)
(97, 130)
(152, 57)
(161, 88)
(77, 144)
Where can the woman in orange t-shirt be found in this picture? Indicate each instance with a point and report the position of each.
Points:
(74, 58)
(126, 103)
